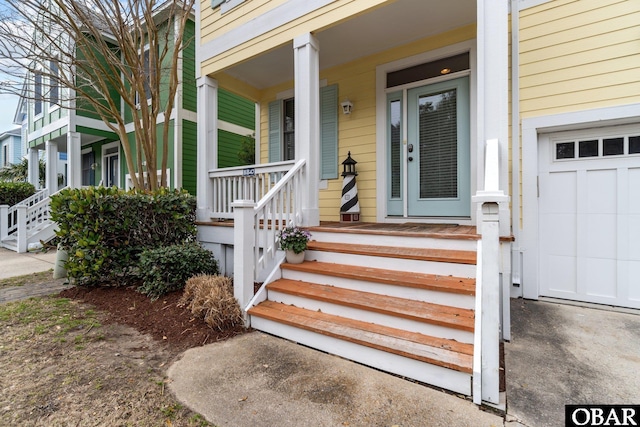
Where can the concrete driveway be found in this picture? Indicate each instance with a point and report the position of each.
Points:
(563, 354)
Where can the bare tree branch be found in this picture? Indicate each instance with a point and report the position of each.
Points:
(96, 57)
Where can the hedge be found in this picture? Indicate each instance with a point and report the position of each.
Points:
(104, 230)
(15, 192)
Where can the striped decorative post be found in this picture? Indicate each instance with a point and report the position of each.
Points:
(349, 204)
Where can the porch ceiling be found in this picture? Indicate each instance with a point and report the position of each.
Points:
(381, 29)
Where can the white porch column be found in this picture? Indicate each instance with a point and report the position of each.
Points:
(207, 144)
(493, 91)
(33, 169)
(307, 114)
(74, 160)
(51, 176)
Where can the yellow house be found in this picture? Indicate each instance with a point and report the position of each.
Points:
(466, 136)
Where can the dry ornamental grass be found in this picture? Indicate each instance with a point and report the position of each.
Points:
(211, 297)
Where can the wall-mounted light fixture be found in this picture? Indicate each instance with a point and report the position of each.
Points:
(347, 106)
(94, 166)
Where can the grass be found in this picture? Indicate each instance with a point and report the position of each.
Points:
(27, 279)
(45, 315)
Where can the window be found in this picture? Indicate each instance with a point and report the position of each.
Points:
(288, 130)
(282, 131)
(597, 147)
(147, 69)
(110, 165)
(5, 155)
(37, 94)
(54, 94)
(88, 167)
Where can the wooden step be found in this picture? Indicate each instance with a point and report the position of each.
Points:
(437, 351)
(433, 282)
(423, 254)
(420, 311)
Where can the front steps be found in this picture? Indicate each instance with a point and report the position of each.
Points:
(403, 309)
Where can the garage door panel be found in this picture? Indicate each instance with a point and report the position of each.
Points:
(634, 190)
(563, 197)
(634, 282)
(634, 237)
(601, 278)
(601, 191)
(589, 219)
(601, 237)
(560, 235)
(561, 274)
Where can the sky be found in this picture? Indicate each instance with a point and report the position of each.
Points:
(8, 105)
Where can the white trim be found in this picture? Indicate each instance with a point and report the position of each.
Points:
(103, 161)
(265, 22)
(92, 123)
(233, 128)
(285, 94)
(86, 150)
(177, 125)
(197, 39)
(532, 128)
(381, 122)
(257, 133)
(191, 116)
(516, 253)
(60, 123)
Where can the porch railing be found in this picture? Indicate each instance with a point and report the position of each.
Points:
(244, 183)
(10, 218)
(486, 357)
(256, 228)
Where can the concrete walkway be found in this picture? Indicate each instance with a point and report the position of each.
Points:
(13, 264)
(257, 380)
(563, 354)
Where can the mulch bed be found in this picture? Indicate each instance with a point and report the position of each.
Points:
(162, 318)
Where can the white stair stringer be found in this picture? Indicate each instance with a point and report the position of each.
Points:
(385, 295)
(438, 376)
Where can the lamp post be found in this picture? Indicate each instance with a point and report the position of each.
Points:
(349, 204)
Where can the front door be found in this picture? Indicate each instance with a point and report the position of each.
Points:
(437, 151)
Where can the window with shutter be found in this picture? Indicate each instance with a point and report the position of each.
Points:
(282, 131)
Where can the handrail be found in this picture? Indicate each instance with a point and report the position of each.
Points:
(256, 229)
(275, 211)
(12, 213)
(243, 183)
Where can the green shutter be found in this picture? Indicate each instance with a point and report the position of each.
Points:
(275, 133)
(329, 132)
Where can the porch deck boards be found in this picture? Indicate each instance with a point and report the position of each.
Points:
(438, 351)
(422, 254)
(421, 311)
(408, 229)
(410, 279)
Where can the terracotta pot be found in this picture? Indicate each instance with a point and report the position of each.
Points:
(294, 258)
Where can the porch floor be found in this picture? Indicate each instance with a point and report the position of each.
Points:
(410, 229)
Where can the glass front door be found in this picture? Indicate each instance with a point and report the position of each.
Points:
(437, 150)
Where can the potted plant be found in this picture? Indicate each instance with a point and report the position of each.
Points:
(293, 241)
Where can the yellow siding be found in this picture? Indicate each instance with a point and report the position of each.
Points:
(357, 131)
(322, 18)
(577, 55)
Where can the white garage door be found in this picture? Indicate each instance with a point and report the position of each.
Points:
(589, 215)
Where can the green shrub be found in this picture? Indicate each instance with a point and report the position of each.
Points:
(167, 269)
(14, 192)
(104, 230)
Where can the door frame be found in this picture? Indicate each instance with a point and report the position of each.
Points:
(382, 181)
(533, 131)
(105, 161)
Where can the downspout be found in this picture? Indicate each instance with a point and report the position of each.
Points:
(516, 251)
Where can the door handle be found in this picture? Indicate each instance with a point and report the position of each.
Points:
(410, 148)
